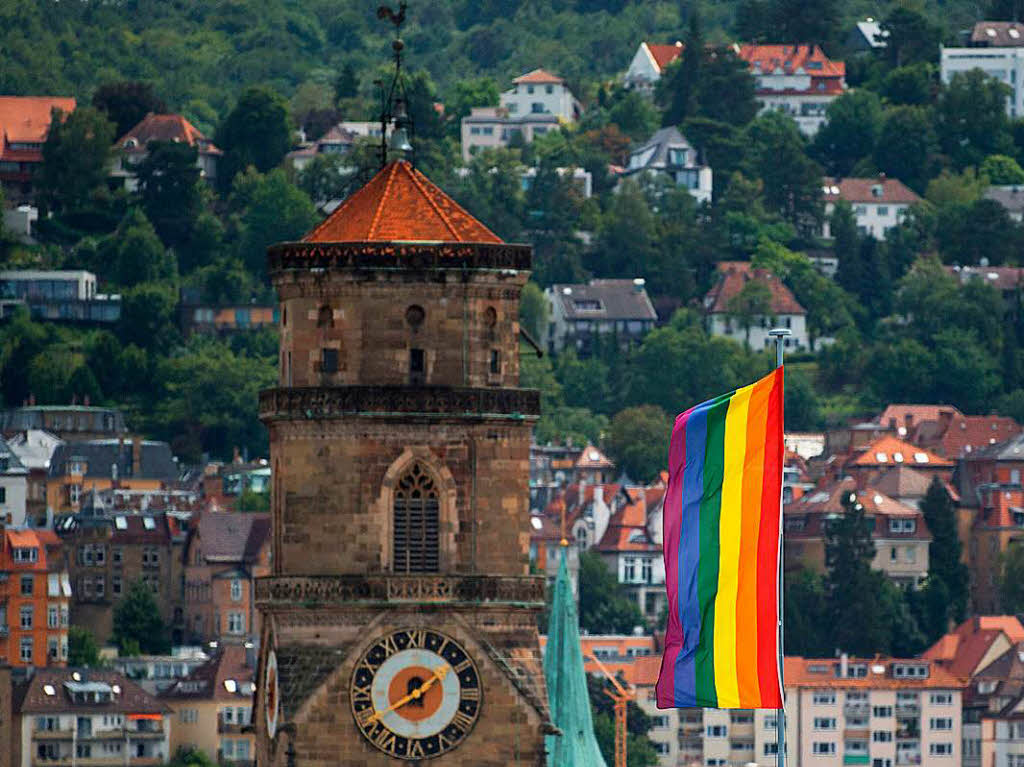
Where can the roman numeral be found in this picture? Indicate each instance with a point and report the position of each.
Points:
(470, 693)
(389, 646)
(416, 748)
(463, 666)
(383, 738)
(367, 666)
(462, 720)
(443, 742)
(363, 717)
(361, 694)
(417, 638)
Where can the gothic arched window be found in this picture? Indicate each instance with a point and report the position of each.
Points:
(416, 523)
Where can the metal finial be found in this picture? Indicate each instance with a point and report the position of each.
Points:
(394, 98)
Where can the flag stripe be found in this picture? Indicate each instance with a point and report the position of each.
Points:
(721, 538)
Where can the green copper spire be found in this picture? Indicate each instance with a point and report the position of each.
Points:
(567, 683)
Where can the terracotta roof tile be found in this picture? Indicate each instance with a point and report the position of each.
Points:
(664, 55)
(733, 275)
(538, 76)
(400, 204)
(231, 536)
(27, 118)
(962, 649)
(889, 451)
(790, 58)
(858, 190)
(155, 127)
(997, 34)
(804, 672)
(30, 697)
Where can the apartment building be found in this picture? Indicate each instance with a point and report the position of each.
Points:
(107, 553)
(224, 554)
(879, 712)
(87, 717)
(997, 49)
(212, 707)
(34, 599)
(68, 296)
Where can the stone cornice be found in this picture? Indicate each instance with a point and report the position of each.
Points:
(289, 592)
(308, 403)
(413, 256)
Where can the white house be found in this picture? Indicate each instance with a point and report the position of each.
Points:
(131, 148)
(879, 203)
(578, 314)
(668, 153)
(13, 487)
(784, 310)
(997, 49)
(797, 80)
(648, 63)
(537, 103)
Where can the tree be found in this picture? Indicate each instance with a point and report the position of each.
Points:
(751, 305)
(640, 751)
(327, 177)
(853, 589)
(906, 146)
(803, 409)
(679, 92)
(850, 134)
(533, 311)
(127, 102)
(638, 441)
(273, 210)
(256, 132)
(76, 156)
(913, 85)
(346, 86)
(605, 608)
(792, 181)
(148, 317)
(709, 82)
(135, 254)
(474, 92)
(971, 119)
(944, 552)
(1001, 170)
(805, 21)
(1011, 581)
(137, 622)
(170, 189)
(911, 36)
(190, 757)
(806, 615)
(82, 649)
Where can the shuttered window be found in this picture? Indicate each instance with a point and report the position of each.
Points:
(416, 523)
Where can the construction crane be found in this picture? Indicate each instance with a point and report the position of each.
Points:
(620, 697)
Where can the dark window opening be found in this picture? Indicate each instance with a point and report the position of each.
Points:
(416, 523)
(325, 317)
(329, 361)
(495, 361)
(414, 315)
(417, 368)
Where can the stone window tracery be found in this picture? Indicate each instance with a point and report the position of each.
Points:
(416, 523)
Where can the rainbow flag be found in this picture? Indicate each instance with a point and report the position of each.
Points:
(721, 544)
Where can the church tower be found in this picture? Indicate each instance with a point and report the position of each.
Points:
(399, 623)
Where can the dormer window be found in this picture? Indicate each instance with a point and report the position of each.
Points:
(877, 190)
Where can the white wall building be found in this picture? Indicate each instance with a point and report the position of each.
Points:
(785, 310)
(648, 63)
(538, 102)
(879, 204)
(997, 49)
(667, 153)
(13, 487)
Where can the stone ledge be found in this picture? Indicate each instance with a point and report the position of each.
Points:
(413, 256)
(305, 591)
(308, 403)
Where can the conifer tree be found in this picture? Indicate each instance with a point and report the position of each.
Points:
(944, 562)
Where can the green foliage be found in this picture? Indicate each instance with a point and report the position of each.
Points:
(75, 158)
(945, 569)
(134, 254)
(750, 306)
(971, 120)
(1001, 170)
(256, 133)
(127, 102)
(854, 122)
(82, 649)
(907, 145)
(912, 37)
(533, 311)
(250, 500)
(950, 188)
(273, 210)
(637, 441)
(604, 606)
(912, 85)
(138, 626)
(190, 757)
(640, 750)
(170, 189)
(1011, 581)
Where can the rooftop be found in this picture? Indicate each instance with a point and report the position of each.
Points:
(733, 275)
(809, 59)
(51, 690)
(882, 673)
(538, 76)
(26, 119)
(664, 55)
(400, 204)
(881, 189)
(890, 451)
(998, 34)
(101, 456)
(605, 300)
(230, 536)
(227, 676)
(175, 128)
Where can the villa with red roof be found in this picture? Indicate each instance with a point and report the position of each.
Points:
(724, 318)
(25, 123)
(879, 204)
(132, 147)
(537, 102)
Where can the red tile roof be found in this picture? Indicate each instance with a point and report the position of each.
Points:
(820, 673)
(899, 414)
(400, 204)
(830, 501)
(1002, 278)
(155, 127)
(592, 458)
(27, 118)
(889, 451)
(538, 76)
(30, 696)
(963, 648)
(733, 275)
(627, 528)
(881, 189)
(664, 55)
(790, 58)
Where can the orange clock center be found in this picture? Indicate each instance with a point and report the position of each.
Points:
(406, 682)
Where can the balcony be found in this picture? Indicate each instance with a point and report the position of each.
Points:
(911, 757)
(908, 709)
(857, 709)
(856, 759)
(225, 762)
(291, 592)
(857, 733)
(908, 730)
(229, 728)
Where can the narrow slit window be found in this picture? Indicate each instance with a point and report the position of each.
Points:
(329, 361)
(416, 523)
(417, 367)
(495, 361)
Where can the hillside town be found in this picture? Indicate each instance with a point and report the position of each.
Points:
(610, 247)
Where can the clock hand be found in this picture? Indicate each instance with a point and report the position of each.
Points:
(439, 673)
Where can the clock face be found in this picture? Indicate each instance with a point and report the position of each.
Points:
(415, 694)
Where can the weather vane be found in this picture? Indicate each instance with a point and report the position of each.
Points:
(394, 98)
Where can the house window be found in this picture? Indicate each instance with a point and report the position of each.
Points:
(52, 649)
(117, 555)
(415, 543)
(74, 494)
(883, 210)
(628, 569)
(881, 712)
(236, 623)
(329, 360)
(26, 554)
(716, 731)
(26, 617)
(529, 89)
(52, 617)
(537, 108)
(236, 590)
(26, 650)
(646, 570)
(27, 582)
(941, 749)
(417, 368)
(115, 584)
(940, 723)
(549, 88)
(823, 749)
(824, 723)
(824, 698)
(941, 699)
(881, 736)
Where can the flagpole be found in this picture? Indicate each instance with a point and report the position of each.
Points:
(780, 335)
